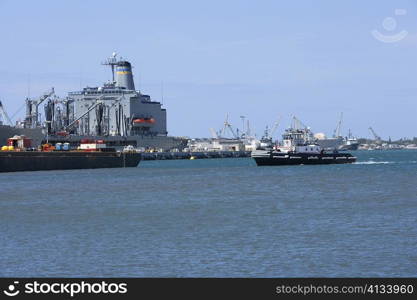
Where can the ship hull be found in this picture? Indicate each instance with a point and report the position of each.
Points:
(280, 159)
(351, 147)
(330, 143)
(41, 161)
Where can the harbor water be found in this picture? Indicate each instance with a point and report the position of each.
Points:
(214, 218)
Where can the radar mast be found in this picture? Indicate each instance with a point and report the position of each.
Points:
(111, 61)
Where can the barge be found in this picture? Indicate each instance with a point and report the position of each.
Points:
(91, 155)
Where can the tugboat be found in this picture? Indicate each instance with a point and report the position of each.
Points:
(298, 149)
(18, 155)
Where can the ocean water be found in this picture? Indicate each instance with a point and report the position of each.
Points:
(214, 218)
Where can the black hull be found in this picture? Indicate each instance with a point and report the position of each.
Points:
(59, 160)
(303, 159)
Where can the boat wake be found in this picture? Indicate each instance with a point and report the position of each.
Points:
(371, 162)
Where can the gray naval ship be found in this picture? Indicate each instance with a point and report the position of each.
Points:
(115, 112)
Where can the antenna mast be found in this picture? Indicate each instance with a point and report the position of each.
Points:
(111, 61)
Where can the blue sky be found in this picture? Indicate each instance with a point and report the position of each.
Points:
(260, 59)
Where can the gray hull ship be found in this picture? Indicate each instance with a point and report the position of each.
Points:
(115, 112)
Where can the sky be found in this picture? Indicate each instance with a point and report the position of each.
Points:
(263, 60)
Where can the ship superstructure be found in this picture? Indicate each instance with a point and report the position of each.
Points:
(115, 111)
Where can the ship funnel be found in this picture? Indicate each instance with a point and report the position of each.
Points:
(124, 76)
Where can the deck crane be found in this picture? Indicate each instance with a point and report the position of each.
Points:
(4, 115)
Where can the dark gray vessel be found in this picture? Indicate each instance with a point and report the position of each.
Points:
(14, 161)
(19, 155)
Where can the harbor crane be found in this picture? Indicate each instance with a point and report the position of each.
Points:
(297, 124)
(269, 133)
(378, 139)
(227, 126)
(243, 125)
(336, 132)
(274, 129)
(214, 133)
(248, 129)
